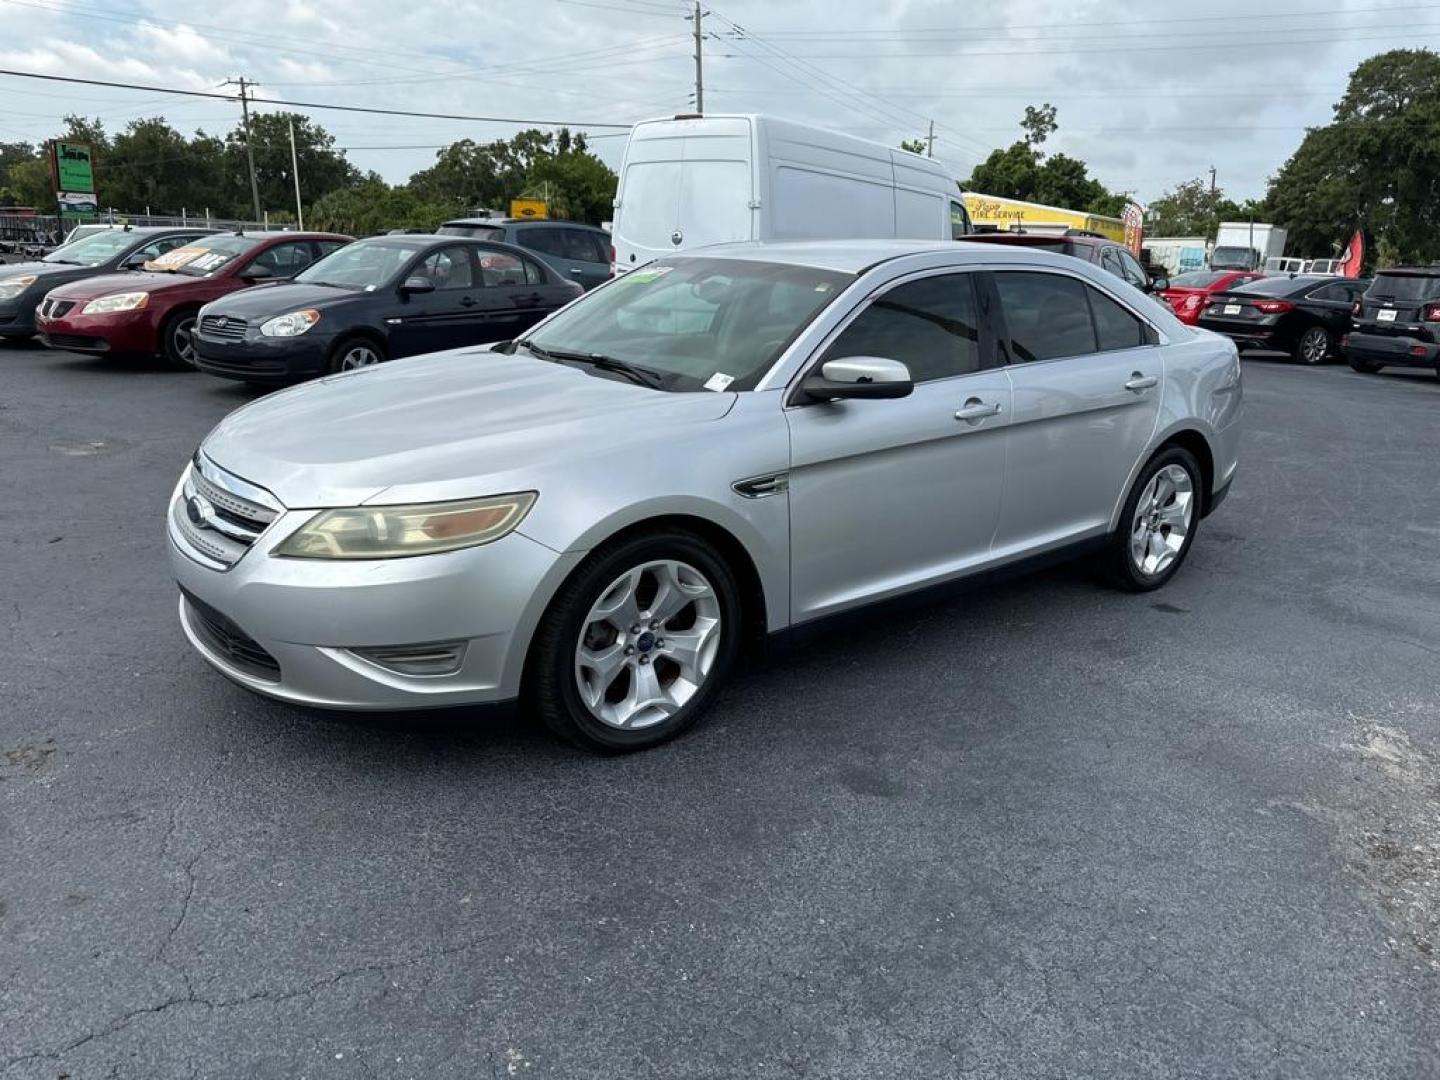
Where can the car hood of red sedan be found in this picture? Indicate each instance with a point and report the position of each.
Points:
(131, 281)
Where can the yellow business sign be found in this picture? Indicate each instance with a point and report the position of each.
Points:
(529, 208)
(1008, 214)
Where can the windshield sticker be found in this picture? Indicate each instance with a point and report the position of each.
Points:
(175, 257)
(643, 277)
(823, 287)
(719, 381)
(210, 260)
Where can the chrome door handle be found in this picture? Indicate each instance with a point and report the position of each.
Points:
(576, 270)
(974, 409)
(1140, 382)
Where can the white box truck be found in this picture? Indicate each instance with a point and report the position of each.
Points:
(689, 182)
(1245, 245)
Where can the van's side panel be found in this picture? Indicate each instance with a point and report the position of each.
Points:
(823, 184)
(923, 191)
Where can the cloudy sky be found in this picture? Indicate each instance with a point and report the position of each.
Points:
(1148, 94)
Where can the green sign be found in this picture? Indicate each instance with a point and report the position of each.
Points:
(73, 171)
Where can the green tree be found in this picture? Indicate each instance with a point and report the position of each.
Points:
(373, 206)
(1377, 164)
(915, 146)
(149, 165)
(1020, 171)
(1039, 123)
(323, 168)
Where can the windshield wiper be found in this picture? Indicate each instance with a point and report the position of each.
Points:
(643, 376)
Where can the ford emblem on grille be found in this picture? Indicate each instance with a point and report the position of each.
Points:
(199, 511)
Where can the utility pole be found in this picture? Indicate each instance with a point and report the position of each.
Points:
(1212, 181)
(249, 149)
(930, 141)
(295, 172)
(699, 62)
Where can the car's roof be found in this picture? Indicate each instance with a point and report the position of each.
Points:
(854, 256)
(1411, 271)
(1043, 239)
(520, 221)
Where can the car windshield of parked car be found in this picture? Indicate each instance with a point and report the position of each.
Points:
(477, 232)
(203, 257)
(366, 265)
(700, 323)
(94, 249)
(1404, 287)
(1198, 279)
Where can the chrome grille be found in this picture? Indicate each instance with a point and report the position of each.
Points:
(222, 326)
(218, 515)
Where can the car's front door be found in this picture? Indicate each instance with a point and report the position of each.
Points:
(446, 316)
(889, 495)
(1087, 377)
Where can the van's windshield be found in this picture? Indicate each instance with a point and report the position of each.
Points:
(1233, 258)
(713, 324)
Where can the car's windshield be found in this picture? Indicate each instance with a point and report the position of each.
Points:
(93, 250)
(1198, 279)
(479, 232)
(366, 264)
(1404, 287)
(1241, 257)
(705, 323)
(203, 257)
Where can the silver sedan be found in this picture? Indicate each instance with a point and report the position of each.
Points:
(599, 516)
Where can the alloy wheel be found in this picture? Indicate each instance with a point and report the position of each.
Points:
(1163, 519)
(1314, 346)
(648, 644)
(358, 356)
(184, 339)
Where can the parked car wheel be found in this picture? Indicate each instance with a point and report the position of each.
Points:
(177, 340)
(1158, 522)
(350, 354)
(1365, 367)
(637, 643)
(1314, 346)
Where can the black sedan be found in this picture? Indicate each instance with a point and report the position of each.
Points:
(23, 285)
(377, 299)
(1304, 315)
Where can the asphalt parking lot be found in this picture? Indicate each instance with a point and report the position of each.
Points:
(1040, 830)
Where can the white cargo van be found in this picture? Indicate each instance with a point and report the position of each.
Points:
(689, 182)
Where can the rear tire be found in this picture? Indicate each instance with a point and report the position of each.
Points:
(1314, 347)
(1157, 523)
(177, 340)
(637, 643)
(1365, 367)
(353, 353)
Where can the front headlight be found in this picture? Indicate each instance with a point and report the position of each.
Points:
(393, 532)
(296, 322)
(125, 301)
(10, 288)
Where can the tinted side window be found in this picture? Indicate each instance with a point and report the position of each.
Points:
(285, 259)
(160, 247)
(928, 325)
(1110, 262)
(959, 220)
(577, 245)
(545, 241)
(1131, 270)
(1047, 315)
(1330, 292)
(448, 268)
(1115, 327)
(502, 268)
(325, 247)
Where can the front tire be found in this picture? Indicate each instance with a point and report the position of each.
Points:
(1313, 348)
(355, 353)
(637, 643)
(1157, 523)
(177, 339)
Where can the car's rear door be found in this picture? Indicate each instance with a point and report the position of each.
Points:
(515, 293)
(587, 257)
(889, 495)
(1087, 376)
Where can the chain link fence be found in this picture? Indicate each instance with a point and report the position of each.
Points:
(25, 236)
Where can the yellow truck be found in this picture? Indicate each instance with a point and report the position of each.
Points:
(1005, 215)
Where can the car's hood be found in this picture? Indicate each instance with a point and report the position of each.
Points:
(269, 300)
(42, 270)
(126, 281)
(459, 421)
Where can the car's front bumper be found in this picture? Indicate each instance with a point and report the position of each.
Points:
(113, 332)
(1391, 351)
(260, 359)
(307, 615)
(17, 317)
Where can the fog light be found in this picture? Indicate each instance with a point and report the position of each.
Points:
(432, 658)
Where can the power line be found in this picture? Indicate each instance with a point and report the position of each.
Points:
(311, 104)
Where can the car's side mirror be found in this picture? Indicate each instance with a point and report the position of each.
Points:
(1159, 283)
(858, 377)
(416, 284)
(259, 272)
(136, 261)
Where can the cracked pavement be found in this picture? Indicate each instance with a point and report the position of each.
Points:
(1039, 830)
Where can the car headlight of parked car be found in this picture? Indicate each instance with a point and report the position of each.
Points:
(393, 532)
(125, 301)
(10, 288)
(291, 324)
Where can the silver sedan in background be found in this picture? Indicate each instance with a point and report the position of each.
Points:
(597, 517)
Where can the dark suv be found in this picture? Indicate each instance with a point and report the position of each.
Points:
(579, 252)
(1104, 253)
(1397, 321)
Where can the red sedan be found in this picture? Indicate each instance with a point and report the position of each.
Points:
(153, 311)
(1189, 293)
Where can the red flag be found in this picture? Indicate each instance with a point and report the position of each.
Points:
(1353, 257)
